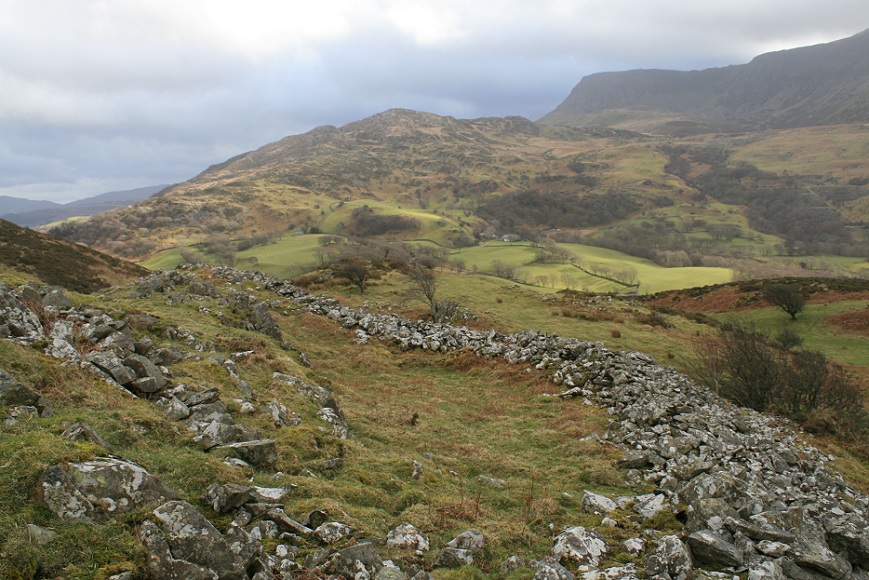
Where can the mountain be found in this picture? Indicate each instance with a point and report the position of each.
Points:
(407, 175)
(27, 213)
(50, 260)
(10, 205)
(440, 169)
(808, 86)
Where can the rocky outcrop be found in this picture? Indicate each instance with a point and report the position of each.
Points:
(181, 543)
(97, 489)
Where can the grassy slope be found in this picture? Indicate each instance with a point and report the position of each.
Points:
(475, 417)
(814, 329)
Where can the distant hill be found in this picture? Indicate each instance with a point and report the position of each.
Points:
(11, 205)
(59, 262)
(802, 87)
(25, 212)
(407, 175)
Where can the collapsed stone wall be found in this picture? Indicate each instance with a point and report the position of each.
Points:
(754, 498)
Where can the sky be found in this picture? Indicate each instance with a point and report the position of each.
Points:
(107, 95)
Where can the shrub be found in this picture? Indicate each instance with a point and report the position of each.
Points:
(743, 365)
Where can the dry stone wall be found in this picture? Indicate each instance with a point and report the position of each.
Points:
(754, 498)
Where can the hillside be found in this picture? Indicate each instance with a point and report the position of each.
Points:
(207, 422)
(58, 262)
(728, 201)
(816, 85)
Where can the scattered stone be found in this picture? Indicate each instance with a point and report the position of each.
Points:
(331, 532)
(80, 431)
(110, 363)
(470, 540)
(454, 558)
(282, 416)
(597, 504)
(184, 544)
(709, 548)
(634, 546)
(512, 563)
(580, 546)
(650, 505)
(670, 557)
(407, 537)
(550, 570)
(260, 453)
(343, 563)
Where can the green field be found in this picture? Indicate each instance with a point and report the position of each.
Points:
(294, 255)
(651, 277)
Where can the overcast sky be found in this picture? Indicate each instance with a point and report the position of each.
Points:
(103, 95)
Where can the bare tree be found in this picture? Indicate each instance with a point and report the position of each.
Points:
(424, 284)
(786, 297)
(424, 287)
(355, 271)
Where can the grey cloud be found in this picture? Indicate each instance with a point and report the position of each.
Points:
(93, 109)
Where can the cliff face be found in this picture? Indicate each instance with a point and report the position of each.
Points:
(815, 85)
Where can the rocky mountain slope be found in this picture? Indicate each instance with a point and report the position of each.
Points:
(441, 167)
(707, 488)
(815, 85)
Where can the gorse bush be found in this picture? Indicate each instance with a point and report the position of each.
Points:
(742, 364)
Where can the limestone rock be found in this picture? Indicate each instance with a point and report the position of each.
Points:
(80, 431)
(579, 545)
(454, 558)
(407, 537)
(670, 558)
(145, 369)
(331, 532)
(709, 548)
(848, 539)
(470, 540)
(183, 538)
(596, 503)
(282, 416)
(95, 489)
(260, 453)
(343, 563)
(550, 570)
(110, 363)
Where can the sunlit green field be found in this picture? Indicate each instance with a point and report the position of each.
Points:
(294, 255)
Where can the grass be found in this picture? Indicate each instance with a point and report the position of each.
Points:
(473, 417)
(652, 277)
(813, 328)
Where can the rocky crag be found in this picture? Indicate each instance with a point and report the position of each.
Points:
(753, 498)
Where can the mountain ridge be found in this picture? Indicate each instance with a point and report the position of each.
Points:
(806, 86)
(29, 213)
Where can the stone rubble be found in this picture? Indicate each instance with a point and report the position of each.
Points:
(754, 498)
